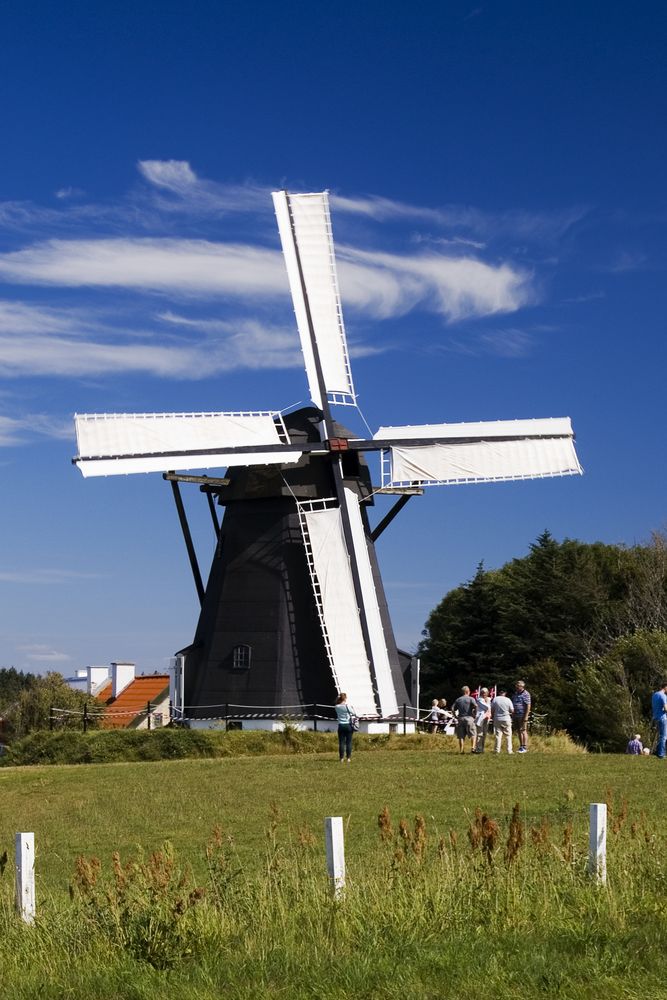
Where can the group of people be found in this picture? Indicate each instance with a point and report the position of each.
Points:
(474, 714)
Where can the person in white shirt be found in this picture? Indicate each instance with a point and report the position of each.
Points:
(502, 711)
(482, 718)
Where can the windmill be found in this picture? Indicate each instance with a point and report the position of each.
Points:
(294, 609)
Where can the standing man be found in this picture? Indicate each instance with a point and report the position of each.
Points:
(659, 713)
(521, 703)
(465, 710)
(502, 710)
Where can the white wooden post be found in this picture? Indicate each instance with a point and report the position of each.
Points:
(597, 842)
(335, 845)
(25, 876)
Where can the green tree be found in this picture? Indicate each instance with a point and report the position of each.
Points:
(461, 643)
(33, 707)
(12, 682)
(613, 692)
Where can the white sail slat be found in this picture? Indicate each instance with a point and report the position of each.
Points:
(480, 429)
(349, 660)
(383, 679)
(304, 224)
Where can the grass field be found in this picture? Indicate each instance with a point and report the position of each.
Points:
(427, 912)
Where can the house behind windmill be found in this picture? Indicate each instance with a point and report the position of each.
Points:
(124, 700)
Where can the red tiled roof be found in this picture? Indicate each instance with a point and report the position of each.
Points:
(132, 700)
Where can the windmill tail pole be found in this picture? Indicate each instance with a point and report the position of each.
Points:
(389, 517)
(185, 528)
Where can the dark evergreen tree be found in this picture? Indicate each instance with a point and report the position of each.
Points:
(462, 642)
(12, 683)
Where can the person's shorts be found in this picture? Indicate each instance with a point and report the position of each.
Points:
(519, 723)
(466, 727)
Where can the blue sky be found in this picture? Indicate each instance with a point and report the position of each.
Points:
(497, 179)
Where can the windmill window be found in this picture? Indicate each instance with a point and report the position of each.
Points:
(241, 657)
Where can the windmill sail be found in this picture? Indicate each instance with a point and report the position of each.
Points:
(340, 614)
(305, 233)
(482, 452)
(112, 444)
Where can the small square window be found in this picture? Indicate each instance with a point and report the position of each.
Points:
(241, 657)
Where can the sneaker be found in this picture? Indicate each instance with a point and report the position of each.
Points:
(348, 761)
(522, 750)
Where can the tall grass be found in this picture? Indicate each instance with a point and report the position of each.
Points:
(500, 905)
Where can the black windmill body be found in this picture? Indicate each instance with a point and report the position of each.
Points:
(294, 609)
(259, 641)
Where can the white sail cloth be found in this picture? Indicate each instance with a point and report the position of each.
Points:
(549, 451)
(349, 660)
(107, 442)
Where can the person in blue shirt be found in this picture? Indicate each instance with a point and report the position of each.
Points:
(522, 705)
(659, 713)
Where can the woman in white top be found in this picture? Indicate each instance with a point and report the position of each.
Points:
(345, 715)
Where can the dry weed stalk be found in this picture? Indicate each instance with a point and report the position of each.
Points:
(483, 833)
(419, 838)
(539, 835)
(306, 837)
(620, 818)
(384, 823)
(86, 873)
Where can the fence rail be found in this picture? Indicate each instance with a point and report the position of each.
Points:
(95, 715)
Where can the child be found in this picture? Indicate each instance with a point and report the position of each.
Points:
(635, 745)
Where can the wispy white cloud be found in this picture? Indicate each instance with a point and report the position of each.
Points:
(44, 654)
(511, 223)
(190, 193)
(18, 318)
(18, 430)
(384, 284)
(65, 193)
(379, 284)
(507, 343)
(447, 241)
(174, 175)
(627, 260)
(223, 346)
(172, 191)
(163, 265)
